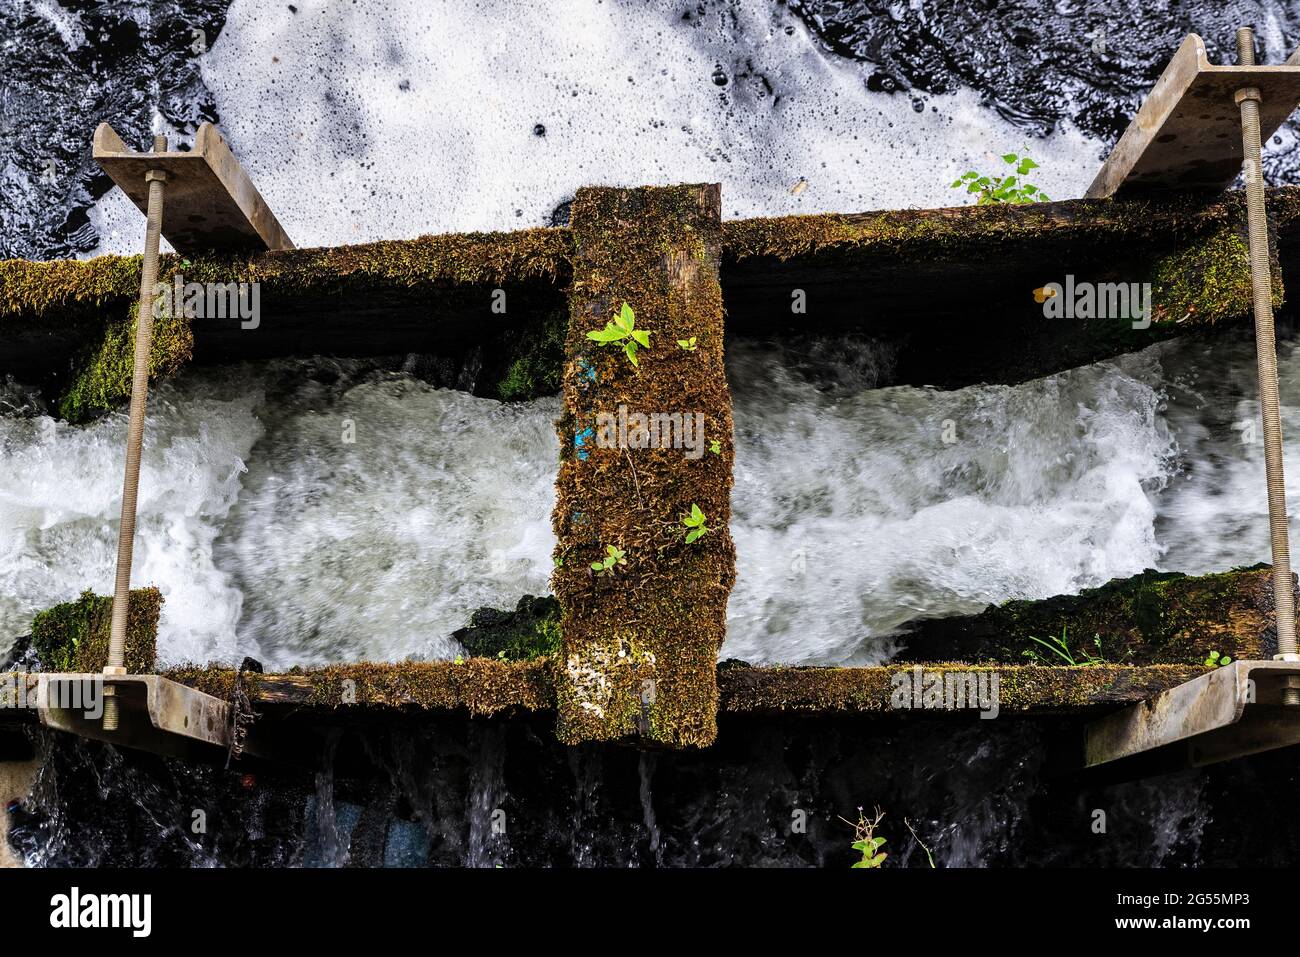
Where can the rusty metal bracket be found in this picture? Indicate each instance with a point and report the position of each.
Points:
(1226, 713)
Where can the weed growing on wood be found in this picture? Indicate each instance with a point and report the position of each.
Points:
(622, 328)
(1060, 647)
(609, 564)
(694, 523)
(1011, 188)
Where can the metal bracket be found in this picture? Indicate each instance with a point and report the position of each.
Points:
(1226, 713)
(1187, 133)
(155, 713)
(211, 202)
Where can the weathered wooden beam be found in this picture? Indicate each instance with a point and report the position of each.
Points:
(485, 687)
(950, 289)
(641, 637)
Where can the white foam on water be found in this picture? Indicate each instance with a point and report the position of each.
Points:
(373, 120)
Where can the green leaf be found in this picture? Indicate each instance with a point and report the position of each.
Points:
(693, 535)
(597, 566)
(641, 336)
(1009, 157)
(607, 335)
(1225, 660)
(630, 349)
(696, 513)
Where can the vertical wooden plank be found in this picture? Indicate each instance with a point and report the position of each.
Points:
(642, 444)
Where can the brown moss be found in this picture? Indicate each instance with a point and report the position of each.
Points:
(73, 637)
(485, 687)
(48, 288)
(1021, 688)
(661, 617)
(481, 686)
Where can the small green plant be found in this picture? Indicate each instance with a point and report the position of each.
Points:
(925, 847)
(688, 344)
(1060, 647)
(458, 660)
(715, 446)
(622, 328)
(694, 523)
(609, 564)
(865, 840)
(1216, 660)
(1011, 188)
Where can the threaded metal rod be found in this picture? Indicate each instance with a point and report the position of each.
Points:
(135, 436)
(1261, 281)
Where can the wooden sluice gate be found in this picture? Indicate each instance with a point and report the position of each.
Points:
(629, 304)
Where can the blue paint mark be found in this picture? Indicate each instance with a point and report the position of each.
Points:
(581, 439)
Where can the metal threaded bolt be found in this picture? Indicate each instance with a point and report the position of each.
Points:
(135, 433)
(1261, 280)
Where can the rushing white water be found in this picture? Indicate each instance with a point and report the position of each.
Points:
(411, 117)
(315, 511)
(298, 512)
(857, 510)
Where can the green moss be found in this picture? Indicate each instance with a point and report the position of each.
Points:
(1207, 280)
(535, 357)
(104, 373)
(1151, 618)
(532, 630)
(74, 636)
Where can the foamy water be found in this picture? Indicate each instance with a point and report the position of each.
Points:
(269, 532)
(855, 508)
(409, 117)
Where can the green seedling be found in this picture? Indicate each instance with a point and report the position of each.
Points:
(1060, 647)
(688, 344)
(622, 328)
(715, 446)
(866, 842)
(609, 564)
(694, 523)
(1216, 660)
(1011, 188)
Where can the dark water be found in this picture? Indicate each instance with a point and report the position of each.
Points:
(455, 792)
(1087, 62)
(122, 62)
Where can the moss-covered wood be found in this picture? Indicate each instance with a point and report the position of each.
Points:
(532, 630)
(1151, 618)
(951, 289)
(1021, 688)
(481, 686)
(640, 640)
(486, 687)
(74, 636)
